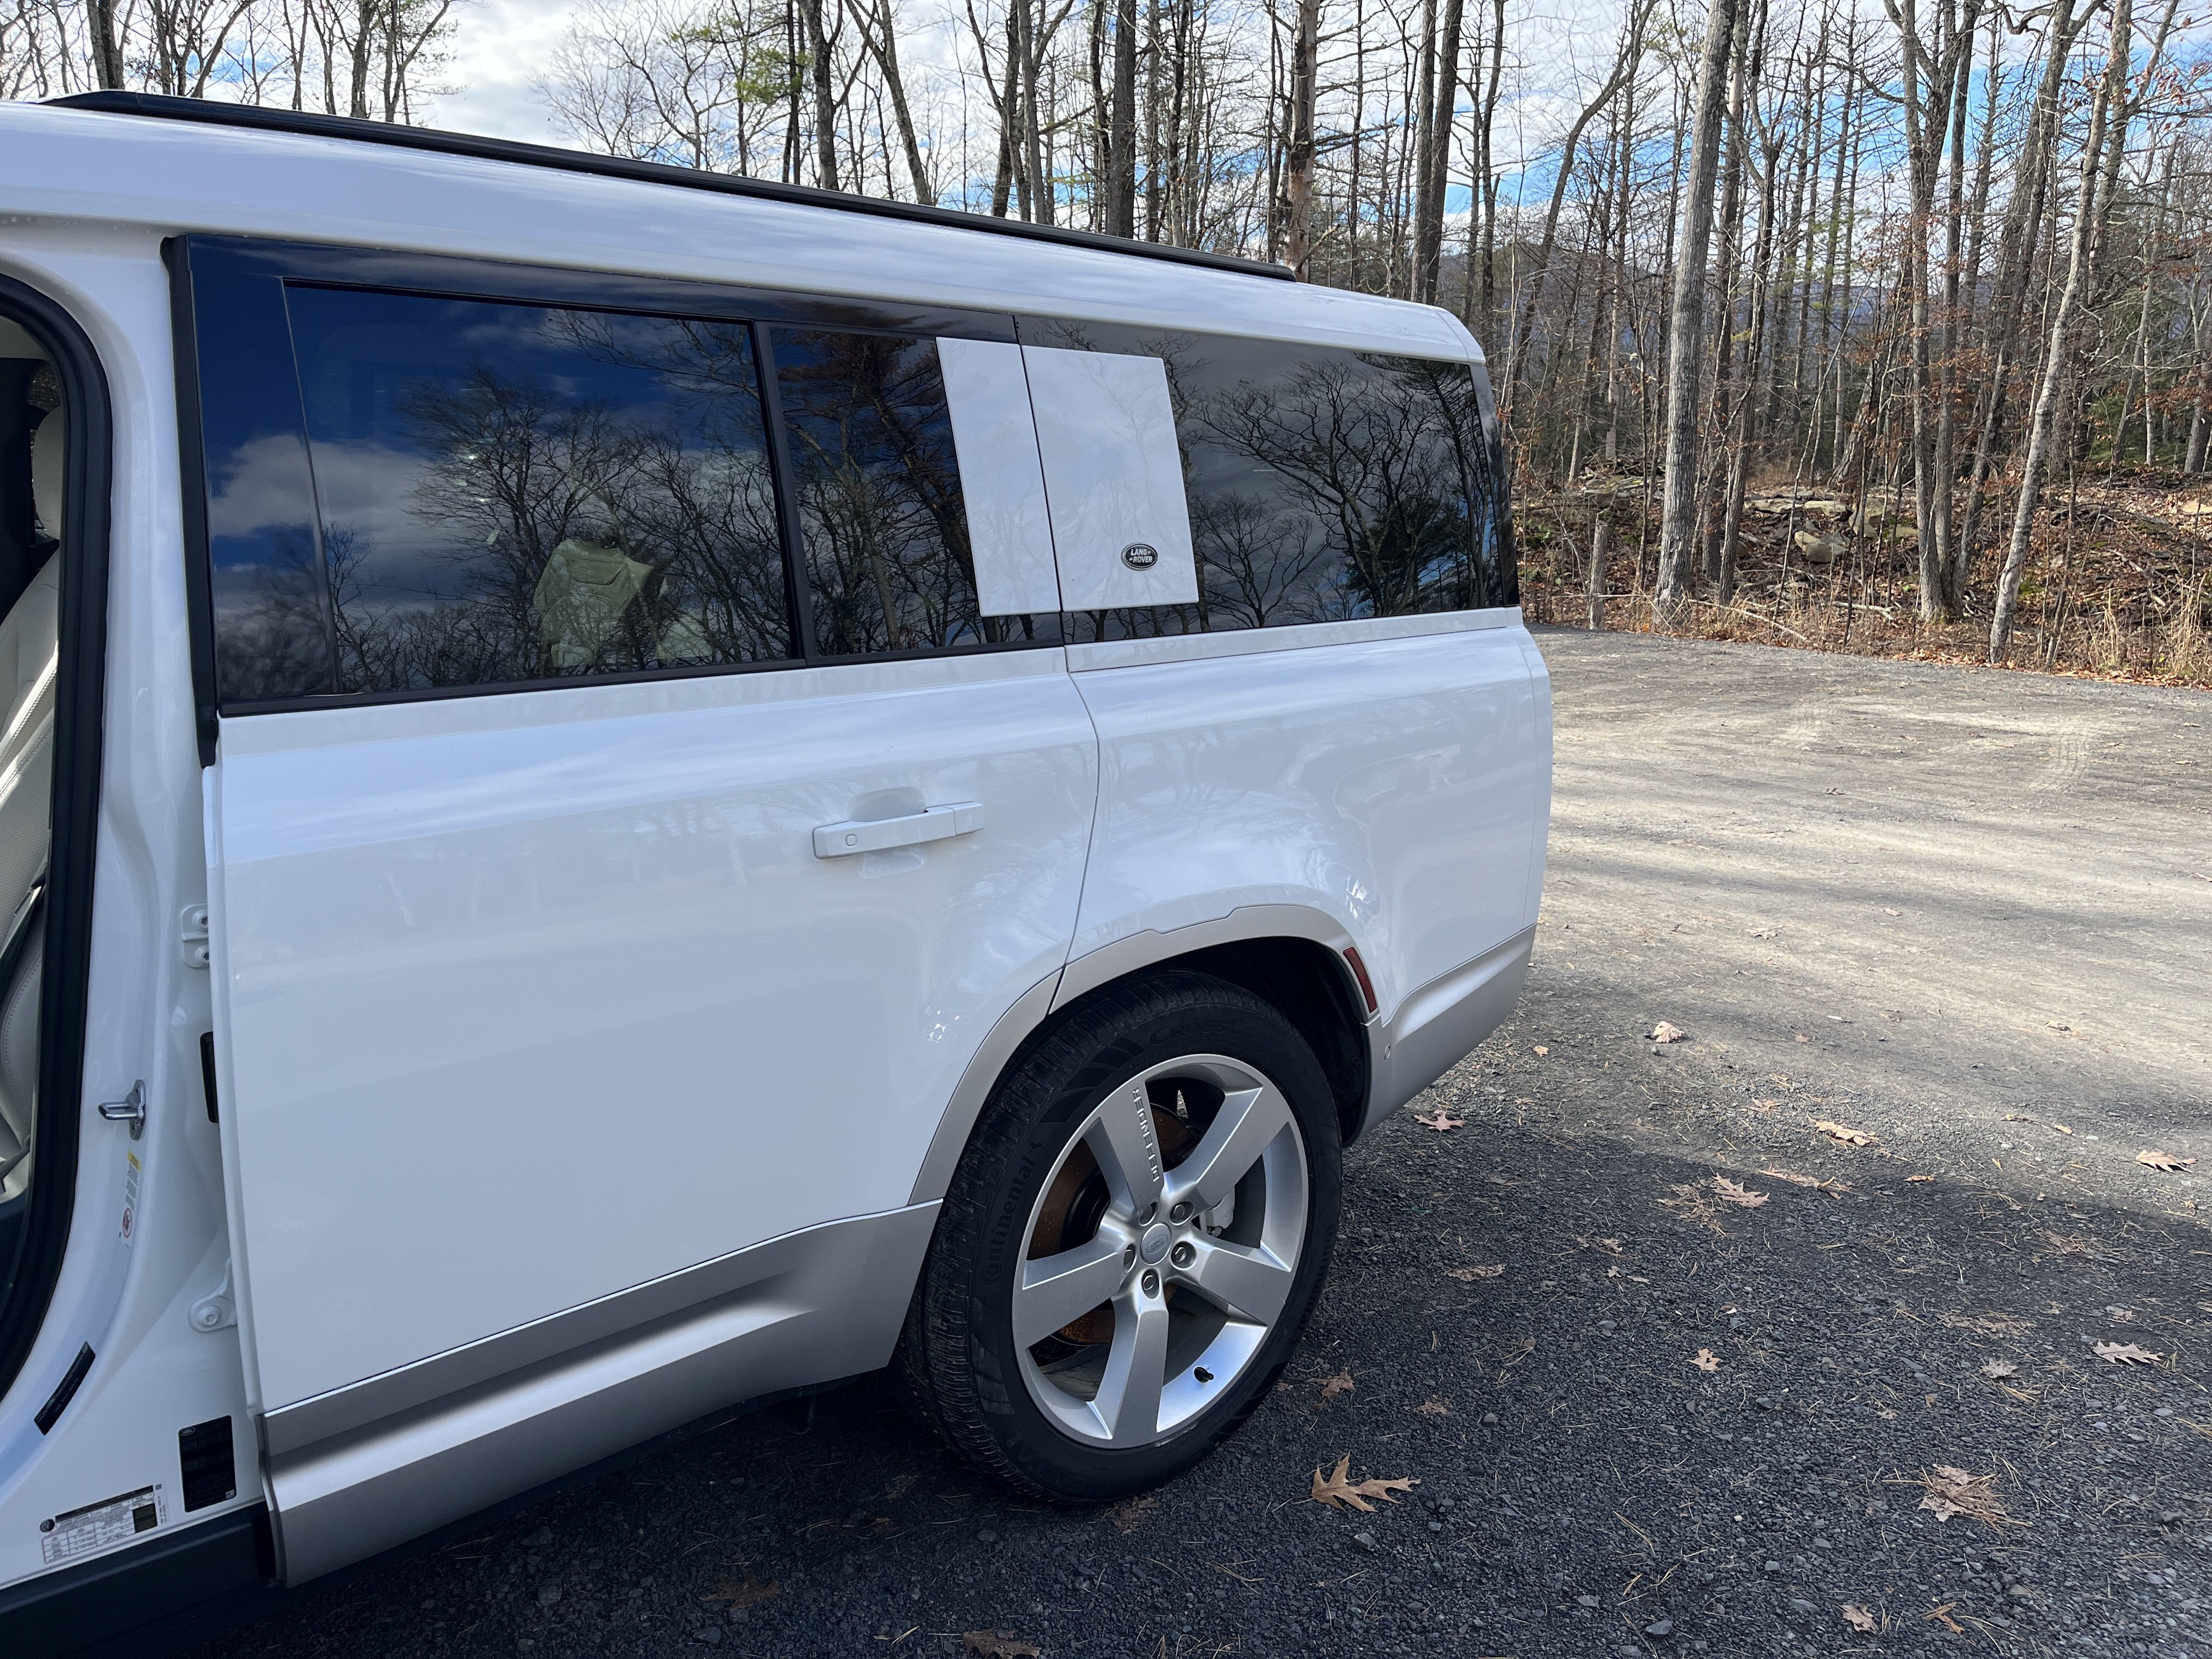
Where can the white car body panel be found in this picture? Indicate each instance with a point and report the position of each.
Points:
(629, 988)
(567, 1094)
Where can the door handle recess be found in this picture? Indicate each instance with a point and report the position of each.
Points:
(839, 841)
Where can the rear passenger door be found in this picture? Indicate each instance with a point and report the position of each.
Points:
(646, 769)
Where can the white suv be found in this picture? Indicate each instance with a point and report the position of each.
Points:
(632, 791)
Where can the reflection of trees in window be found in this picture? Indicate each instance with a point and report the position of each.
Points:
(1324, 484)
(884, 524)
(575, 533)
(271, 640)
(1365, 446)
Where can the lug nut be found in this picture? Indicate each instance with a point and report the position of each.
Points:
(1183, 1256)
(1151, 1283)
(1180, 1213)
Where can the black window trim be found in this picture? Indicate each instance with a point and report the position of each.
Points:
(26, 1283)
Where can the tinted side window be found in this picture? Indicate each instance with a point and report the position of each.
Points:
(883, 522)
(511, 493)
(1325, 484)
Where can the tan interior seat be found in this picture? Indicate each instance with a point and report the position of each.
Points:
(30, 638)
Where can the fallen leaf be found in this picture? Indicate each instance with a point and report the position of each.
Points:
(1662, 1032)
(997, 1645)
(1910, 1179)
(1734, 1193)
(1691, 1205)
(2125, 1353)
(1434, 1405)
(1850, 1137)
(1764, 933)
(2121, 1315)
(747, 1592)
(1339, 1492)
(1132, 1513)
(1988, 1324)
(1541, 1051)
(1953, 1492)
(2166, 1161)
(1440, 1120)
(1706, 1361)
(1468, 1275)
(1858, 1618)
(1832, 1187)
(1994, 1368)
(1801, 1037)
(1333, 1388)
(1943, 1614)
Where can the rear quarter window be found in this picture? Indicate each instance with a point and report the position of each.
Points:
(1325, 484)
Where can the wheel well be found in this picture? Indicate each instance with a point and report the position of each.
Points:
(1310, 986)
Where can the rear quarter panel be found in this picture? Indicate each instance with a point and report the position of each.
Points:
(1396, 781)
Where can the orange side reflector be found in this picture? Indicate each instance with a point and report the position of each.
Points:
(1359, 973)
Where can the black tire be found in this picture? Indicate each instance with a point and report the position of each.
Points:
(959, 1357)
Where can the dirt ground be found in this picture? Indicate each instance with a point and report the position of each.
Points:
(1964, 917)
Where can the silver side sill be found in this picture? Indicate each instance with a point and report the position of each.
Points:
(1438, 1025)
(364, 1467)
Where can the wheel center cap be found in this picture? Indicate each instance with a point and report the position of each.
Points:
(1154, 1244)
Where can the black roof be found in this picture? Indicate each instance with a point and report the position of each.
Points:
(610, 167)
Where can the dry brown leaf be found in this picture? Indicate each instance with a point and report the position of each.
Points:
(1832, 1187)
(997, 1645)
(1132, 1513)
(2166, 1161)
(2125, 1353)
(1706, 1361)
(1542, 1052)
(1440, 1120)
(1848, 1136)
(1339, 1492)
(1468, 1275)
(1911, 1179)
(1434, 1405)
(1996, 1368)
(1663, 1032)
(1953, 1492)
(1858, 1618)
(746, 1592)
(1988, 1324)
(1942, 1615)
(1333, 1388)
(1736, 1192)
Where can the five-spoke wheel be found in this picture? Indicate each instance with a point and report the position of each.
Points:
(1132, 1242)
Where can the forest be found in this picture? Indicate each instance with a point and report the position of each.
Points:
(1871, 325)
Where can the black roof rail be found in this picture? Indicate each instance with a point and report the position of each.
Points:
(361, 130)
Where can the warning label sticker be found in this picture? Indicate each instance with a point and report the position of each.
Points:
(102, 1526)
(131, 1174)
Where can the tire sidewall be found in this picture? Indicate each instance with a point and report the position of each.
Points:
(1067, 1082)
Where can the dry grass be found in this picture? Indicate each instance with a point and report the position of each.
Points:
(2119, 585)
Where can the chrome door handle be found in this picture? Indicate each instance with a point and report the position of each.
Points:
(130, 1109)
(841, 840)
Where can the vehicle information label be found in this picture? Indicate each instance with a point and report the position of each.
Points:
(102, 1526)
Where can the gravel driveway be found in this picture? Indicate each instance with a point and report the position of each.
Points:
(1963, 918)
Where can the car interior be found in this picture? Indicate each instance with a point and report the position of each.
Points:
(32, 446)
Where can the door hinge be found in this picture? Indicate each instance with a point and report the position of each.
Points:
(192, 935)
(215, 1311)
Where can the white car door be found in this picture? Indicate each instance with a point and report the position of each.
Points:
(543, 1012)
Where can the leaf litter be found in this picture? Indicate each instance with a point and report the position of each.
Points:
(1735, 1193)
(1440, 1120)
(1664, 1032)
(1954, 1491)
(2166, 1161)
(1339, 1491)
(1468, 1275)
(1333, 1388)
(1844, 1134)
(2126, 1353)
(1000, 1644)
(746, 1592)
(1859, 1618)
(1706, 1361)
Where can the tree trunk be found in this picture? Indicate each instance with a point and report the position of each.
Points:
(1686, 330)
(1298, 145)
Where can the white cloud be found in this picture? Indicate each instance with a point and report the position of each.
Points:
(499, 48)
